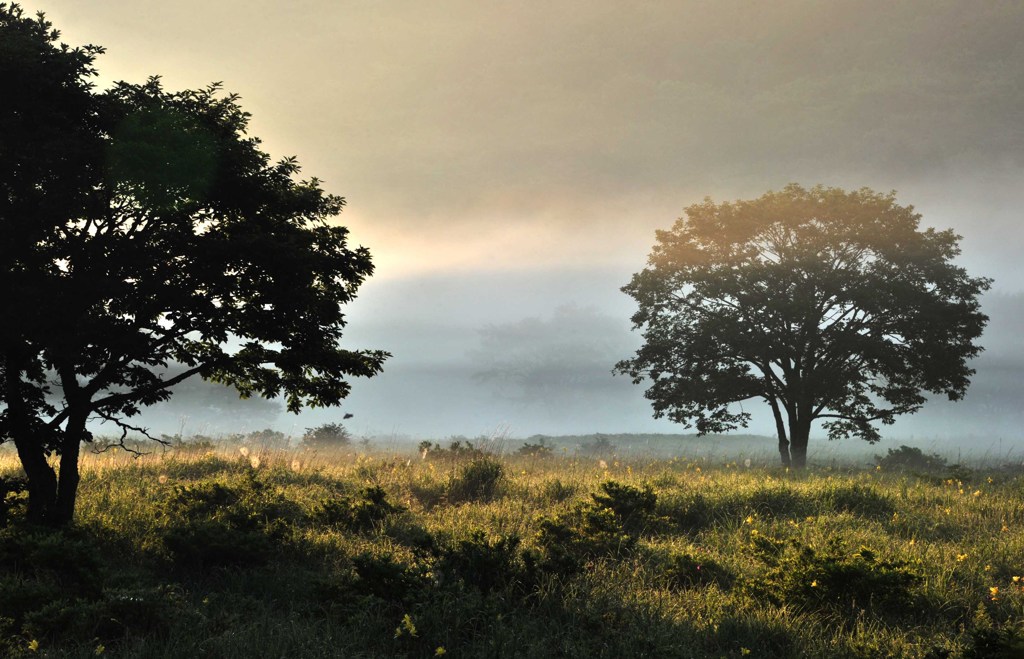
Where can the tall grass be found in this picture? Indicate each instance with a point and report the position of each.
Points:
(296, 554)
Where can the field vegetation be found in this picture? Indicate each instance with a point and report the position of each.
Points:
(453, 550)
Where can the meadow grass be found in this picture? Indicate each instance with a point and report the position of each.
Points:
(467, 554)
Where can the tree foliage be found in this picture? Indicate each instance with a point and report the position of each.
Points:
(144, 228)
(827, 304)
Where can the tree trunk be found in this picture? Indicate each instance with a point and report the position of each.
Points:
(799, 438)
(42, 481)
(780, 428)
(67, 487)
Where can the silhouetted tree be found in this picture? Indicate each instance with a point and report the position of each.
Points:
(142, 227)
(827, 304)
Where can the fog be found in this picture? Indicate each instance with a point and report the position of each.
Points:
(507, 165)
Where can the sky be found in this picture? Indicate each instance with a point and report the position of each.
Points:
(508, 163)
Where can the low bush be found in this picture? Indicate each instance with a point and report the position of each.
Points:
(364, 512)
(478, 480)
(326, 436)
(909, 458)
(844, 581)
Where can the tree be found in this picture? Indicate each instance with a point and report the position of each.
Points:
(142, 230)
(826, 304)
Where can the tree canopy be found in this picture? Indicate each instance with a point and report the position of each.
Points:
(144, 228)
(829, 305)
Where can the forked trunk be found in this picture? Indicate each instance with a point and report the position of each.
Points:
(42, 480)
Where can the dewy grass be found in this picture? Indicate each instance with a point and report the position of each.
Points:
(304, 554)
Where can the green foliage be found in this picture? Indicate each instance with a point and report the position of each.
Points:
(992, 641)
(882, 313)
(633, 507)
(608, 526)
(477, 480)
(685, 570)
(218, 525)
(314, 561)
(326, 436)
(487, 564)
(365, 512)
(148, 240)
(12, 496)
(842, 580)
(539, 450)
(909, 458)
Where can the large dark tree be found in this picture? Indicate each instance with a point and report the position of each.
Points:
(143, 229)
(826, 304)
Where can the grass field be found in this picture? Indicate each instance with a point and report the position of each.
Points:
(461, 553)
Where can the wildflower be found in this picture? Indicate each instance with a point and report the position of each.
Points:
(1005, 528)
(749, 519)
(990, 481)
(440, 651)
(814, 584)
(960, 558)
(753, 532)
(1016, 579)
(255, 462)
(913, 542)
(162, 479)
(994, 592)
(99, 650)
(33, 645)
(988, 568)
(977, 493)
(744, 652)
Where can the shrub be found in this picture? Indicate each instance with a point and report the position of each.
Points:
(213, 524)
(845, 581)
(539, 450)
(859, 500)
(13, 494)
(326, 436)
(363, 513)
(555, 491)
(486, 564)
(632, 506)
(478, 480)
(908, 458)
(267, 438)
(689, 571)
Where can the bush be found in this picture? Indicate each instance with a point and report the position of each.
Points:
(633, 507)
(908, 458)
(845, 581)
(215, 525)
(326, 436)
(539, 450)
(485, 564)
(367, 511)
(689, 571)
(267, 438)
(478, 480)
(13, 494)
